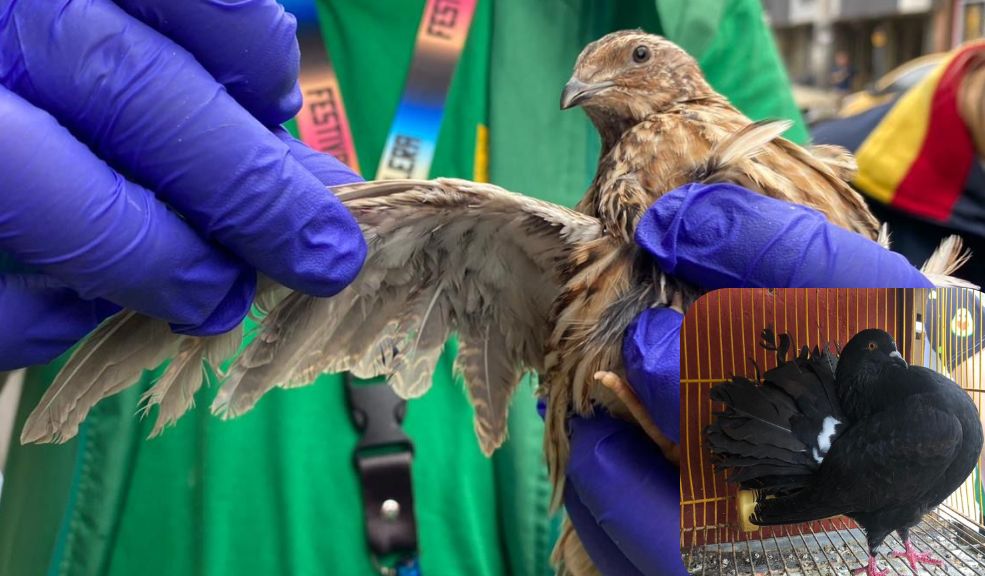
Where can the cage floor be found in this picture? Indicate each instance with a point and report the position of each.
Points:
(959, 545)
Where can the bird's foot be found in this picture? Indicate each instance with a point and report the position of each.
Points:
(915, 557)
(624, 392)
(871, 569)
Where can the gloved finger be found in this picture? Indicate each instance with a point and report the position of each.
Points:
(42, 318)
(65, 212)
(722, 235)
(147, 107)
(249, 46)
(606, 556)
(325, 167)
(631, 491)
(651, 351)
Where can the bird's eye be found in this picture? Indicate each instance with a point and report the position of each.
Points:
(872, 346)
(641, 54)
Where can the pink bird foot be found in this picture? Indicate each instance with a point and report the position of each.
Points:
(916, 557)
(871, 569)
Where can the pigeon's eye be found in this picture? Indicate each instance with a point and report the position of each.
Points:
(641, 54)
(872, 345)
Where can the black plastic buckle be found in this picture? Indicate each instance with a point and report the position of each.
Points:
(377, 412)
(383, 459)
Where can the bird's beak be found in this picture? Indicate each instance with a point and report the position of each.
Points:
(895, 355)
(575, 92)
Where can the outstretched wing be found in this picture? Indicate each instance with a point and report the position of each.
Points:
(445, 256)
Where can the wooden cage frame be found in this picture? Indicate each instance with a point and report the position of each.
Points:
(720, 337)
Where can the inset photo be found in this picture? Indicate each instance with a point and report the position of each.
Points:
(833, 432)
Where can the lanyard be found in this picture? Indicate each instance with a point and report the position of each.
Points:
(409, 150)
(384, 454)
(322, 121)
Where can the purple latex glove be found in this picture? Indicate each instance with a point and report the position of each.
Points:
(138, 168)
(620, 495)
(724, 236)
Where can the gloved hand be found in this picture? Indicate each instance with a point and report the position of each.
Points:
(139, 170)
(622, 496)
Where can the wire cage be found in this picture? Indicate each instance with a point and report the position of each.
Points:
(940, 329)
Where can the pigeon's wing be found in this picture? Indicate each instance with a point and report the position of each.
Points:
(894, 457)
(444, 257)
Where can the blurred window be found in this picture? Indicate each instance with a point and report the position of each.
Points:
(973, 12)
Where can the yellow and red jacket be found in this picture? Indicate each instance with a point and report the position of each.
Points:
(916, 154)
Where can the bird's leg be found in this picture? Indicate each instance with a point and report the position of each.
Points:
(911, 554)
(871, 569)
(623, 391)
(677, 302)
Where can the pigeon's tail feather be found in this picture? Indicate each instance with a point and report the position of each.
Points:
(773, 434)
(946, 260)
(802, 506)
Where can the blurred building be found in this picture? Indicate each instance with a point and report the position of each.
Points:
(876, 35)
(969, 19)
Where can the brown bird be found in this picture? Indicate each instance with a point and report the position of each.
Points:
(527, 286)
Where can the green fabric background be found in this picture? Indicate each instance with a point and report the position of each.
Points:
(273, 492)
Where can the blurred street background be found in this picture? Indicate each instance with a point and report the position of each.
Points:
(845, 56)
(901, 84)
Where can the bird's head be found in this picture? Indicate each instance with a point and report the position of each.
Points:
(865, 360)
(626, 76)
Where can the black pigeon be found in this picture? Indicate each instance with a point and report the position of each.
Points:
(866, 436)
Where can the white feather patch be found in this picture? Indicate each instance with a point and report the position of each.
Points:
(828, 429)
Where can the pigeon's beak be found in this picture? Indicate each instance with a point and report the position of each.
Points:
(898, 358)
(575, 92)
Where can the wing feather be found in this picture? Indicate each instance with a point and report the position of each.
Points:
(491, 371)
(111, 359)
(445, 256)
(174, 392)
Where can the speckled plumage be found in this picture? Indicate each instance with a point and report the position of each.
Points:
(663, 126)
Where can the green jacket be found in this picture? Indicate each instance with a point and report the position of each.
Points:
(273, 492)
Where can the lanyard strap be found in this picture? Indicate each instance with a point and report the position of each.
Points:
(322, 121)
(441, 36)
(384, 453)
(409, 150)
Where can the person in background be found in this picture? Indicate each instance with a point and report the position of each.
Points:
(119, 114)
(842, 73)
